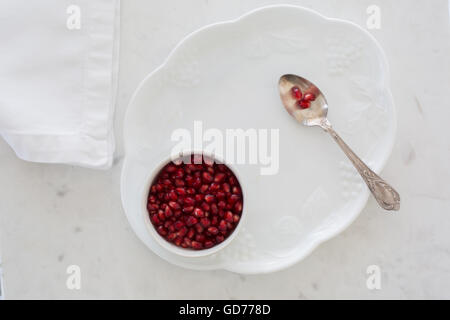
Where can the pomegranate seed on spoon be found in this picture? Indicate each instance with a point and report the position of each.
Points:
(296, 93)
(304, 104)
(309, 97)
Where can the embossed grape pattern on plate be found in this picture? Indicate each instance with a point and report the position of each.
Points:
(238, 63)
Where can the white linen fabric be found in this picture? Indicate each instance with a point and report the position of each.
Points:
(58, 77)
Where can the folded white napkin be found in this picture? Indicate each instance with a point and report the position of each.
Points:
(58, 70)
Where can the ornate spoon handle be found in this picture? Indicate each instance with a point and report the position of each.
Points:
(385, 195)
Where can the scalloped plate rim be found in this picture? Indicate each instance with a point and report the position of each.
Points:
(314, 242)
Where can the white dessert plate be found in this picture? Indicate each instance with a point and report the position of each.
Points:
(226, 76)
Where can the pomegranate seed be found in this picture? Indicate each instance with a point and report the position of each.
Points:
(214, 187)
(162, 231)
(179, 183)
(208, 244)
(191, 167)
(181, 191)
(179, 174)
(155, 219)
(236, 218)
(199, 228)
(214, 209)
(197, 183)
(165, 175)
(238, 207)
(187, 241)
(190, 221)
(152, 207)
(173, 195)
(233, 199)
(188, 201)
(171, 228)
(304, 104)
(197, 245)
(207, 177)
(166, 197)
(220, 238)
(161, 215)
(226, 187)
(189, 180)
(204, 188)
(182, 232)
(221, 195)
(171, 168)
(174, 205)
(178, 224)
(188, 209)
(199, 213)
(220, 177)
(191, 191)
(213, 230)
(228, 216)
(296, 93)
(205, 222)
(171, 236)
(184, 245)
(191, 233)
(205, 206)
(209, 198)
(178, 241)
(199, 197)
(200, 238)
(223, 225)
(309, 97)
(222, 204)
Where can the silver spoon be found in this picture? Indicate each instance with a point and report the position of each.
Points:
(316, 115)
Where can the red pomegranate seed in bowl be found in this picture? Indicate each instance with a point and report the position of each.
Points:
(194, 207)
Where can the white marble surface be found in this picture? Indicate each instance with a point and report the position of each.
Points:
(53, 216)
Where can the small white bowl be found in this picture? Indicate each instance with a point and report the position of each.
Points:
(170, 246)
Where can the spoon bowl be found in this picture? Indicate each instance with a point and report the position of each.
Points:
(312, 116)
(315, 114)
